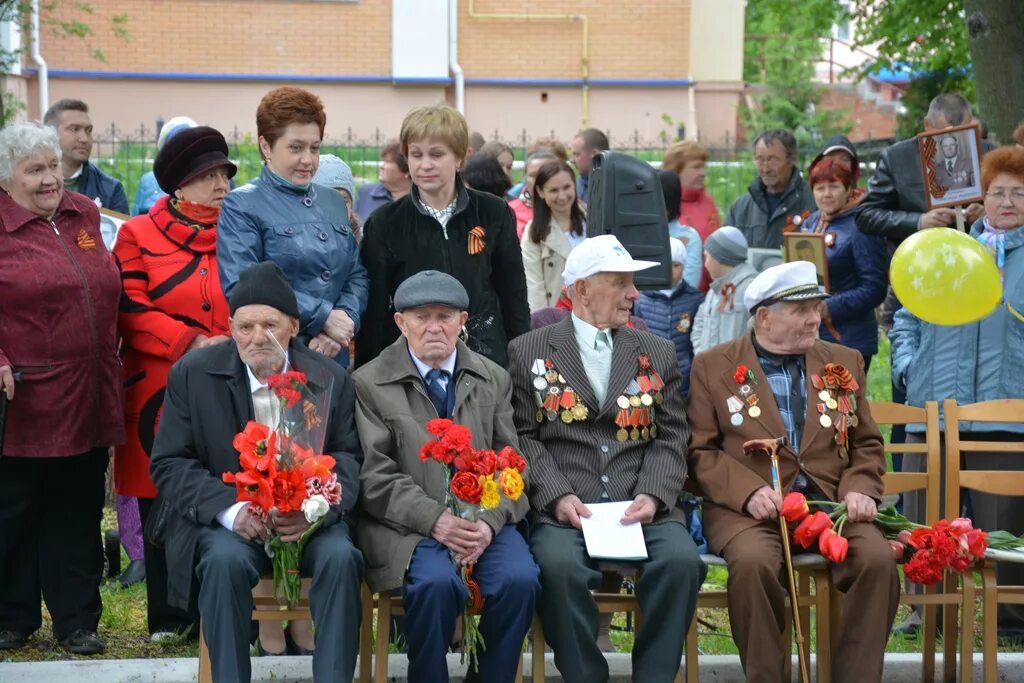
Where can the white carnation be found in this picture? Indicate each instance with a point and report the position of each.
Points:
(314, 508)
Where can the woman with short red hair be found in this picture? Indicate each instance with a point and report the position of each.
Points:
(284, 217)
(697, 209)
(856, 262)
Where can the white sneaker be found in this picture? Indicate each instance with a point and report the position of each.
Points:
(162, 635)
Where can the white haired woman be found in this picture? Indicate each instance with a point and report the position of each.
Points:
(61, 378)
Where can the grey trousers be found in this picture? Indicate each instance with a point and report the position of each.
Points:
(989, 512)
(667, 593)
(230, 566)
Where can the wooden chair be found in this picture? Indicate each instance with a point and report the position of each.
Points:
(998, 482)
(929, 482)
(268, 608)
(388, 606)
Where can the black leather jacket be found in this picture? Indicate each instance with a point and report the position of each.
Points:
(895, 198)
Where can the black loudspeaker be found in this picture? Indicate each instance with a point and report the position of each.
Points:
(624, 199)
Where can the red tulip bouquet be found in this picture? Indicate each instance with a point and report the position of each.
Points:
(282, 471)
(946, 545)
(475, 480)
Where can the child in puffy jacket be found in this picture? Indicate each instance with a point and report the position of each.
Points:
(670, 313)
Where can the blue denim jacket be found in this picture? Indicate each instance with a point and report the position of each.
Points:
(306, 232)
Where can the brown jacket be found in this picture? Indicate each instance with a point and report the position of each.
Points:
(585, 458)
(727, 478)
(403, 496)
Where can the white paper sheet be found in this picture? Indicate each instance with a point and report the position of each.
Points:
(607, 539)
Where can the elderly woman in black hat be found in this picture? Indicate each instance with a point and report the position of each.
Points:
(172, 303)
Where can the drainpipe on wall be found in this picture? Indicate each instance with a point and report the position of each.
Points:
(584, 50)
(693, 109)
(453, 56)
(37, 57)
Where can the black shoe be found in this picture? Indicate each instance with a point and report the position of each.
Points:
(132, 574)
(294, 649)
(265, 653)
(12, 640)
(83, 642)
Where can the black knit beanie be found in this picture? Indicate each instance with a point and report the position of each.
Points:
(265, 284)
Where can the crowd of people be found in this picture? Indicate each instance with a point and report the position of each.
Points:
(455, 292)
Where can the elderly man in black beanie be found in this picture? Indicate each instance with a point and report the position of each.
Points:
(211, 395)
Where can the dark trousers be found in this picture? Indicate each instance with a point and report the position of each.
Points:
(666, 590)
(230, 566)
(160, 616)
(989, 512)
(50, 545)
(434, 595)
(757, 594)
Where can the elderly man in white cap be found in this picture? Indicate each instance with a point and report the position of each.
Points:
(782, 381)
(600, 418)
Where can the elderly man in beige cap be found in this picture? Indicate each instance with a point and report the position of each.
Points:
(782, 381)
(600, 418)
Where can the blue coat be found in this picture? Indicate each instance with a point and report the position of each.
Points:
(306, 232)
(858, 280)
(979, 361)
(671, 317)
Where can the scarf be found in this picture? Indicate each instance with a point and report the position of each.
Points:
(994, 240)
(201, 216)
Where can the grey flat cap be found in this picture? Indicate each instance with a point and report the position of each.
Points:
(430, 287)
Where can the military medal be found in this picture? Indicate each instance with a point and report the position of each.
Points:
(825, 421)
(734, 404)
(622, 402)
(684, 323)
(832, 403)
(824, 395)
(736, 419)
(646, 400)
(580, 412)
(754, 412)
(539, 383)
(551, 376)
(622, 421)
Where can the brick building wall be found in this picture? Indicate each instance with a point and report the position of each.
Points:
(643, 40)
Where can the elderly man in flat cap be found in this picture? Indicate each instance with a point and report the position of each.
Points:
(412, 542)
(781, 381)
(212, 393)
(600, 415)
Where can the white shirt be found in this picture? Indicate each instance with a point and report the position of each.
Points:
(596, 354)
(267, 411)
(448, 365)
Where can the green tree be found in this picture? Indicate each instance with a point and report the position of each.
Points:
(65, 18)
(995, 33)
(783, 43)
(928, 38)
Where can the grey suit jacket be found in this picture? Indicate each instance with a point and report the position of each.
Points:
(584, 457)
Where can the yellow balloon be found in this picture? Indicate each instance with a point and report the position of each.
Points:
(945, 277)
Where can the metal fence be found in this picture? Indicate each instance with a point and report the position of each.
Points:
(128, 155)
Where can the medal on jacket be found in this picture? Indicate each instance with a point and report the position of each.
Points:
(554, 399)
(476, 240)
(683, 325)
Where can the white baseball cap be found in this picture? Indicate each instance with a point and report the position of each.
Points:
(601, 254)
(794, 281)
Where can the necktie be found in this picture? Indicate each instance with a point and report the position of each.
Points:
(437, 391)
(601, 340)
(949, 165)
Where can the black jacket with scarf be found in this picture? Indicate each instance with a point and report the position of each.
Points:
(207, 402)
(400, 239)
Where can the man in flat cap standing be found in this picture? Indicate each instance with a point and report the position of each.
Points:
(411, 540)
(212, 393)
(781, 381)
(600, 416)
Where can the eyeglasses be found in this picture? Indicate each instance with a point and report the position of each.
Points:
(1000, 195)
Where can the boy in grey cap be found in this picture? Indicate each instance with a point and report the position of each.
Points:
(337, 175)
(723, 317)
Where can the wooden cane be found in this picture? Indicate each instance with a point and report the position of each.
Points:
(794, 597)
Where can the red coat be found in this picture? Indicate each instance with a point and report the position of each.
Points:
(697, 209)
(58, 326)
(172, 293)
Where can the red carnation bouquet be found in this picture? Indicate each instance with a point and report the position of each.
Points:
(475, 480)
(283, 471)
(946, 545)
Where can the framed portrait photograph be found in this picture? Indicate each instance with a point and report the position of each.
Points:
(951, 165)
(807, 246)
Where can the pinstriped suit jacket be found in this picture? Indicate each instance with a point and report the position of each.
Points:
(584, 457)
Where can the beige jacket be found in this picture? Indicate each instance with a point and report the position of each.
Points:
(544, 264)
(403, 496)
